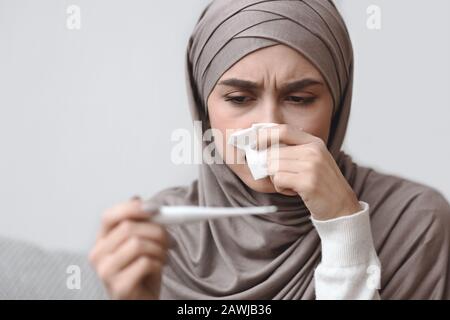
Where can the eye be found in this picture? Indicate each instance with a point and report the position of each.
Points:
(238, 99)
(301, 100)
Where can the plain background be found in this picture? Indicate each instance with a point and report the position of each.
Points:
(86, 115)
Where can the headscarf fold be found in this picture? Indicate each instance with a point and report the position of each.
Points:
(274, 256)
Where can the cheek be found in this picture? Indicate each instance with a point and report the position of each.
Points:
(318, 128)
(230, 154)
(316, 120)
(226, 119)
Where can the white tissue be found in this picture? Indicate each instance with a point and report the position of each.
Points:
(246, 140)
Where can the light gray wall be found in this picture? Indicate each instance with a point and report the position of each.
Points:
(86, 115)
(401, 106)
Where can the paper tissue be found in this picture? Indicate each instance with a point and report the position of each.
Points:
(246, 140)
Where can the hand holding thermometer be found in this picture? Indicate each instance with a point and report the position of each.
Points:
(167, 215)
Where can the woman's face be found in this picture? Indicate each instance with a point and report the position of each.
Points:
(275, 84)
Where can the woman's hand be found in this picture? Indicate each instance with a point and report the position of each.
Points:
(305, 167)
(130, 252)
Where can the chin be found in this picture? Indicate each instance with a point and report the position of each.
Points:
(261, 185)
(264, 185)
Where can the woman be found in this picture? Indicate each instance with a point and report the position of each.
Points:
(290, 63)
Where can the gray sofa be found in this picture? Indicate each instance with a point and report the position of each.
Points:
(28, 271)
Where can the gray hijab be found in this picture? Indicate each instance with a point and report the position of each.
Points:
(274, 256)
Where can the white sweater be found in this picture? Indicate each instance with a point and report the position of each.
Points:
(350, 268)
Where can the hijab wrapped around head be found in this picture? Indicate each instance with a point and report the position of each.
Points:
(274, 256)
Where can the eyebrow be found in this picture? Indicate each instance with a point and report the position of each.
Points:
(289, 87)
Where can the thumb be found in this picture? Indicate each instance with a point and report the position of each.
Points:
(135, 197)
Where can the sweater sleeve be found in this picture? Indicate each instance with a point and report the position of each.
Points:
(350, 268)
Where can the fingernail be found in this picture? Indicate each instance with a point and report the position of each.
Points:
(150, 207)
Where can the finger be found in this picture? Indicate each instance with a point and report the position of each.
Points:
(132, 209)
(285, 165)
(126, 230)
(306, 185)
(305, 152)
(285, 181)
(129, 279)
(283, 133)
(135, 247)
(127, 253)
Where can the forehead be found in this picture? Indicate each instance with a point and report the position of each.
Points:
(279, 61)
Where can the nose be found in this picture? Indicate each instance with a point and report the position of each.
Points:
(271, 112)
